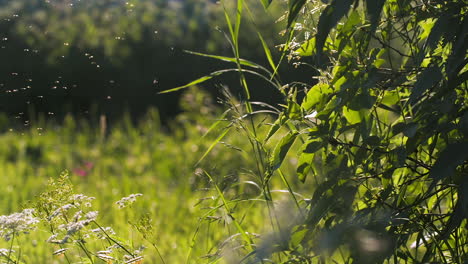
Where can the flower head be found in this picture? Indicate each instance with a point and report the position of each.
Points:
(17, 223)
(126, 201)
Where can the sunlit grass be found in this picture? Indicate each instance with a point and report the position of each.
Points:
(189, 220)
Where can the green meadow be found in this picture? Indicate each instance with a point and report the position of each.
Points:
(183, 210)
(345, 143)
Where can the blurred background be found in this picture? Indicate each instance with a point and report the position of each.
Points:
(109, 57)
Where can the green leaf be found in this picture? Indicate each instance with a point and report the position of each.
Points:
(426, 25)
(294, 7)
(362, 101)
(408, 129)
(352, 116)
(314, 95)
(312, 146)
(299, 233)
(307, 48)
(306, 157)
(333, 104)
(390, 98)
(281, 149)
(275, 127)
(451, 157)
(294, 110)
(347, 30)
(328, 19)
(217, 73)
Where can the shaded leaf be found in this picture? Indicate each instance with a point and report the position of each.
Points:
(437, 30)
(328, 19)
(294, 110)
(374, 8)
(426, 80)
(451, 157)
(275, 127)
(314, 95)
(306, 157)
(297, 236)
(362, 101)
(281, 149)
(373, 141)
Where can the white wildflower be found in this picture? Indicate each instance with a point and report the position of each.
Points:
(5, 252)
(104, 252)
(60, 251)
(53, 240)
(17, 223)
(91, 216)
(82, 199)
(105, 257)
(77, 216)
(60, 211)
(73, 227)
(101, 232)
(139, 251)
(126, 201)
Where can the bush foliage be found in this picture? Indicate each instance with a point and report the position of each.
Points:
(382, 134)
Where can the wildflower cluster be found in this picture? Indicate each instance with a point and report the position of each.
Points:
(5, 252)
(74, 229)
(74, 226)
(126, 201)
(79, 221)
(17, 223)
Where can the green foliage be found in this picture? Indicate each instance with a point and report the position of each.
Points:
(367, 165)
(386, 147)
(382, 132)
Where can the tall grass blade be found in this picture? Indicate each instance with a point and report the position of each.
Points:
(266, 3)
(267, 51)
(213, 144)
(265, 47)
(235, 42)
(228, 59)
(239, 228)
(217, 73)
(197, 81)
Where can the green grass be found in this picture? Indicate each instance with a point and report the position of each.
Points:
(195, 217)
